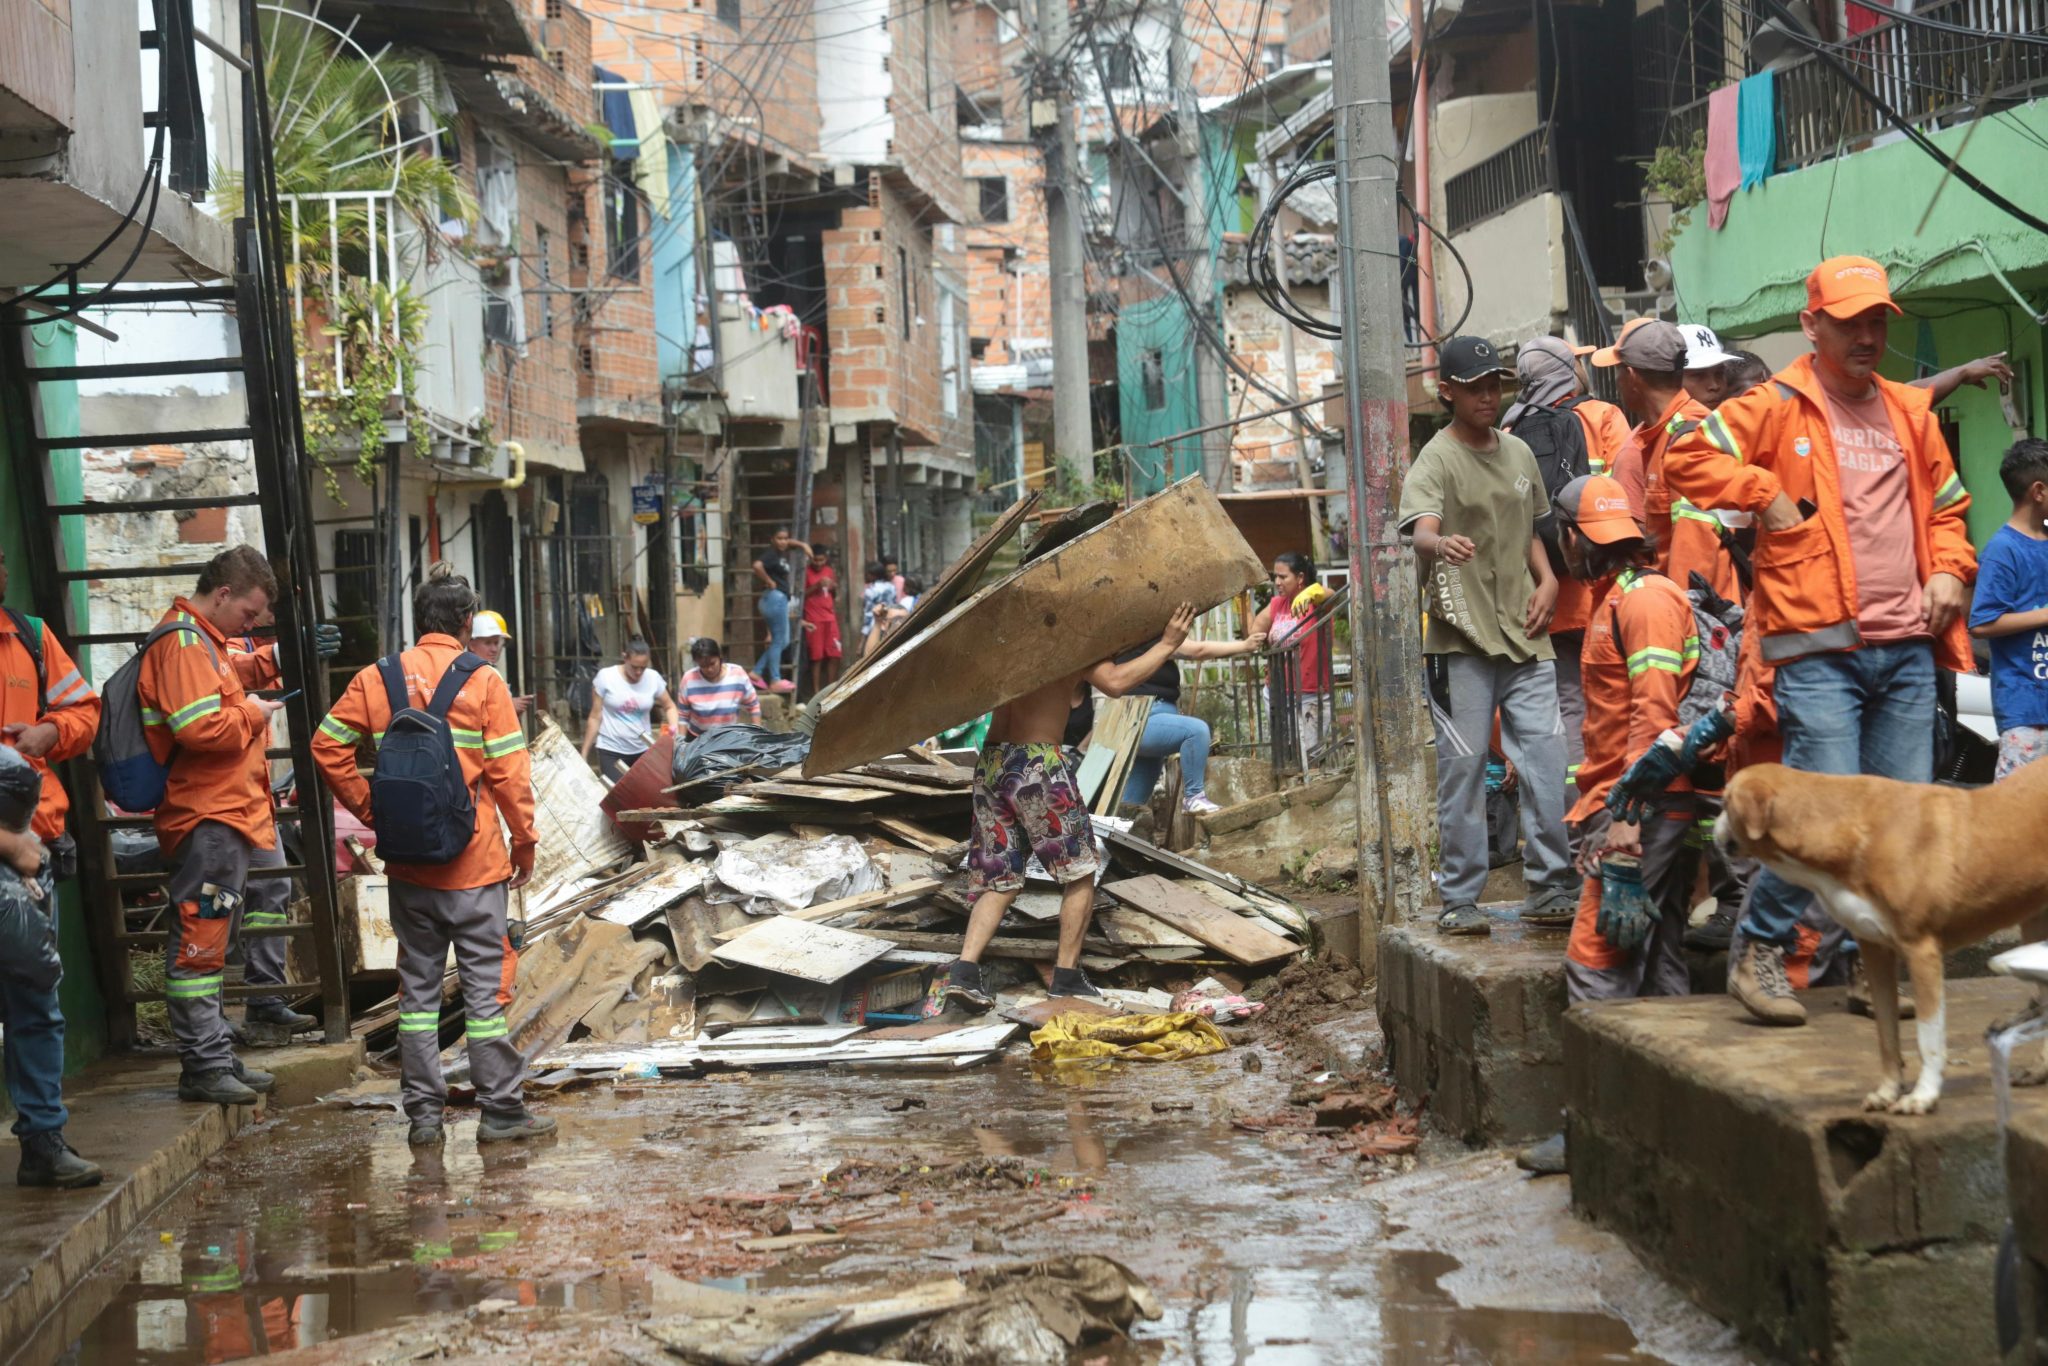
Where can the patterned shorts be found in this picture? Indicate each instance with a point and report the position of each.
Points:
(1025, 803)
(2019, 747)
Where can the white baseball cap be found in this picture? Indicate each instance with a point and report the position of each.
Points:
(487, 626)
(1702, 348)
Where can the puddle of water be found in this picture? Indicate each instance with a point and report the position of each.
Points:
(324, 1225)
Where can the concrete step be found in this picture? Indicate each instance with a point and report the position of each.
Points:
(126, 1116)
(1737, 1159)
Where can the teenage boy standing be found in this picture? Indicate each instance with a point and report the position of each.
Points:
(1470, 503)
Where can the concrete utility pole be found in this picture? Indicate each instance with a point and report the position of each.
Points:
(1052, 123)
(1211, 394)
(1395, 798)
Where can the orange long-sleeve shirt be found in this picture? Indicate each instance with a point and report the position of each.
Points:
(68, 703)
(1606, 430)
(488, 742)
(202, 723)
(1634, 684)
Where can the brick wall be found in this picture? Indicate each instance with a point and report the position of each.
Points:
(1265, 450)
(1009, 282)
(883, 370)
(561, 74)
(1228, 34)
(531, 397)
(36, 59)
(926, 141)
(617, 372)
(978, 57)
(1308, 30)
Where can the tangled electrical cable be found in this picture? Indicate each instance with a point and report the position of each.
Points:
(1266, 282)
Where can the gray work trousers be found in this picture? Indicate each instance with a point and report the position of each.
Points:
(266, 906)
(426, 921)
(1464, 693)
(1571, 707)
(209, 872)
(1671, 865)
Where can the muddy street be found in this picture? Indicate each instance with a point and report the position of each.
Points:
(1264, 1240)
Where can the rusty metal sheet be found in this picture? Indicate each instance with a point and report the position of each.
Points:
(1107, 589)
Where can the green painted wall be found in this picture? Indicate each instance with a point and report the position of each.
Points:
(1748, 279)
(85, 1011)
(1162, 324)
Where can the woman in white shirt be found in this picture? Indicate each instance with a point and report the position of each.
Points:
(627, 700)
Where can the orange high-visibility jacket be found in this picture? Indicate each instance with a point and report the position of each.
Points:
(68, 703)
(488, 742)
(1688, 538)
(211, 733)
(1776, 438)
(1606, 429)
(1633, 684)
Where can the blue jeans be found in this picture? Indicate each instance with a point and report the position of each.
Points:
(1168, 732)
(1868, 711)
(774, 607)
(29, 973)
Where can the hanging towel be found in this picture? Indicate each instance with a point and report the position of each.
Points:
(1758, 120)
(617, 105)
(651, 172)
(1724, 159)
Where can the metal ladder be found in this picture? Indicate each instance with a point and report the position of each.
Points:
(267, 363)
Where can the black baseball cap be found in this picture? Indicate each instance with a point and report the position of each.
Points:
(1465, 359)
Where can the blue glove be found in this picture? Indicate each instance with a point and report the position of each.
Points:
(515, 932)
(327, 640)
(1626, 916)
(1632, 798)
(1707, 732)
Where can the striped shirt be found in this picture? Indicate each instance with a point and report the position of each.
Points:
(708, 702)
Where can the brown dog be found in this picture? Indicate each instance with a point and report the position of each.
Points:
(1910, 869)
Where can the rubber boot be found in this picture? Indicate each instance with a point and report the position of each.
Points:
(218, 1087)
(47, 1160)
(513, 1124)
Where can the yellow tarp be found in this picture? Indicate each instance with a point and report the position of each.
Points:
(1155, 1038)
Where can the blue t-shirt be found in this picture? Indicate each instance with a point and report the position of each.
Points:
(2012, 576)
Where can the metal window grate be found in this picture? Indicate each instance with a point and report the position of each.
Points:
(1519, 171)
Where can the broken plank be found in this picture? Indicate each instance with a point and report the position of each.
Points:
(879, 1307)
(1037, 1013)
(796, 948)
(746, 1341)
(779, 1036)
(972, 1040)
(884, 899)
(817, 792)
(650, 898)
(1002, 946)
(1141, 931)
(928, 840)
(939, 775)
(1231, 935)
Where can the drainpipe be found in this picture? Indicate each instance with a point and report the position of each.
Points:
(1418, 138)
(517, 478)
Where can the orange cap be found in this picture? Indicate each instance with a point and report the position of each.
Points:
(1607, 355)
(1598, 506)
(1843, 286)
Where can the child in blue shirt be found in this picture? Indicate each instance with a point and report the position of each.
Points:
(2011, 608)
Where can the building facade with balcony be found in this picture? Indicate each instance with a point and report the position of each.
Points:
(1972, 278)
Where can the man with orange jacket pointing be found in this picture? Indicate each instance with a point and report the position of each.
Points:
(1862, 569)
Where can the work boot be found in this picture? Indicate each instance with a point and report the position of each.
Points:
(47, 1160)
(1757, 979)
(1464, 918)
(426, 1133)
(280, 1015)
(1073, 982)
(1859, 993)
(520, 1123)
(1553, 904)
(253, 1078)
(964, 984)
(1545, 1158)
(1713, 934)
(219, 1086)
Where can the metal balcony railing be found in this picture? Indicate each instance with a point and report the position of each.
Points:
(1521, 170)
(1934, 78)
(336, 239)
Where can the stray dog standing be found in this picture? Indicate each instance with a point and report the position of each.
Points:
(1911, 870)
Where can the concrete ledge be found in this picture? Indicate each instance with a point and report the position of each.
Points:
(2026, 1178)
(1472, 1026)
(126, 1116)
(1738, 1160)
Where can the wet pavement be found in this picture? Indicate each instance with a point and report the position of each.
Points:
(323, 1227)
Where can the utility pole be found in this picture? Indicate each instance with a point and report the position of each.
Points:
(1211, 396)
(1396, 803)
(1052, 124)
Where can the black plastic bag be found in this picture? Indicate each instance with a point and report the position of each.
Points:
(741, 751)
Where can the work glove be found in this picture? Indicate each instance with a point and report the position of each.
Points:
(515, 933)
(1633, 799)
(1707, 732)
(327, 640)
(1626, 916)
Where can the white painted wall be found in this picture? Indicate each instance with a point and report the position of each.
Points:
(1465, 132)
(1518, 273)
(853, 47)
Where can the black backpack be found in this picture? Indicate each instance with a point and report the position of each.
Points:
(419, 804)
(1558, 439)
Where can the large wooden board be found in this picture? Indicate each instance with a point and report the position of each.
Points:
(1229, 934)
(651, 897)
(1107, 589)
(796, 948)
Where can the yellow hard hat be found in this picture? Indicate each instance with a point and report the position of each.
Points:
(487, 626)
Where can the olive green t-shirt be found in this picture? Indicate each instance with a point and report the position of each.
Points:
(1494, 498)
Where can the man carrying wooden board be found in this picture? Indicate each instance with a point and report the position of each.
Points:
(1026, 802)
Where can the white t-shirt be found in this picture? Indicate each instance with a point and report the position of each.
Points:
(628, 708)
